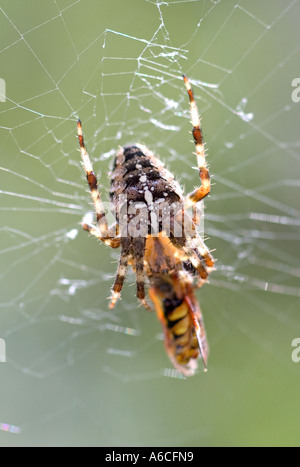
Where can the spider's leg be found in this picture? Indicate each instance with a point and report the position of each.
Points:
(200, 251)
(199, 255)
(204, 189)
(113, 242)
(101, 231)
(139, 253)
(189, 243)
(191, 253)
(196, 259)
(121, 272)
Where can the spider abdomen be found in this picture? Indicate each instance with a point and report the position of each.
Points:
(142, 187)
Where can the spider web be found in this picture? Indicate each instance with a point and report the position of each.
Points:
(76, 372)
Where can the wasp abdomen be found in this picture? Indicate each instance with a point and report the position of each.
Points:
(180, 325)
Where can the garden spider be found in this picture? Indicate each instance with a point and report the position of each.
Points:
(158, 239)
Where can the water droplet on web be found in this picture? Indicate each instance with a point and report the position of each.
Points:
(72, 234)
(240, 111)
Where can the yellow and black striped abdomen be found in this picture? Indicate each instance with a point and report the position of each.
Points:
(181, 329)
(178, 311)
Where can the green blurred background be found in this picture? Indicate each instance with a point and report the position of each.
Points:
(77, 373)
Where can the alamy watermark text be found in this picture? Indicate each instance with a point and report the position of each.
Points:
(296, 91)
(2, 90)
(296, 352)
(2, 351)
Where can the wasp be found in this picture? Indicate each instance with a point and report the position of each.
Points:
(158, 238)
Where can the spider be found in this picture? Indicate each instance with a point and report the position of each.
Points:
(158, 239)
